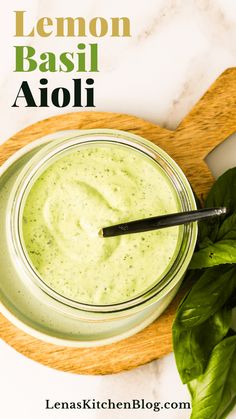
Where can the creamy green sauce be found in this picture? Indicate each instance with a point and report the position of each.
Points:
(91, 187)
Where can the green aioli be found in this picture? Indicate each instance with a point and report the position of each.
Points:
(90, 187)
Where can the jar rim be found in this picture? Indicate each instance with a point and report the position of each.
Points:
(36, 166)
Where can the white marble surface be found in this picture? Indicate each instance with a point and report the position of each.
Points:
(176, 51)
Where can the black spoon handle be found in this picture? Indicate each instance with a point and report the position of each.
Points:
(162, 221)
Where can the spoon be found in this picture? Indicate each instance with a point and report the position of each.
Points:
(162, 221)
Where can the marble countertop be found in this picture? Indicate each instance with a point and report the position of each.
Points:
(177, 49)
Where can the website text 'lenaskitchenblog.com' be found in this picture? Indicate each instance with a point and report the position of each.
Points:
(109, 404)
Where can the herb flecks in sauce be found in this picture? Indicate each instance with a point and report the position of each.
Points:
(90, 188)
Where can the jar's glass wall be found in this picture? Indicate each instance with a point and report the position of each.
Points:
(51, 153)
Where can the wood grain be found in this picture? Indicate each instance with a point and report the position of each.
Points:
(211, 121)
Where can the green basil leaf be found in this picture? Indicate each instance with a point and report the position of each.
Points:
(219, 253)
(222, 193)
(205, 361)
(214, 392)
(207, 295)
(227, 230)
(207, 231)
(204, 243)
(192, 347)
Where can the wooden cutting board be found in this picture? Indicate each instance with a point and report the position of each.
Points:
(209, 123)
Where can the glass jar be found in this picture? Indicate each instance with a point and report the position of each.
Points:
(144, 308)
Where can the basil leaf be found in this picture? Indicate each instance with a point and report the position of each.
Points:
(192, 347)
(204, 243)
(214, 254)
(205, 361)
(222, 251)
(227, 230)
(207, 295)
(222, 193)
(207, 231)
(214, 392)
